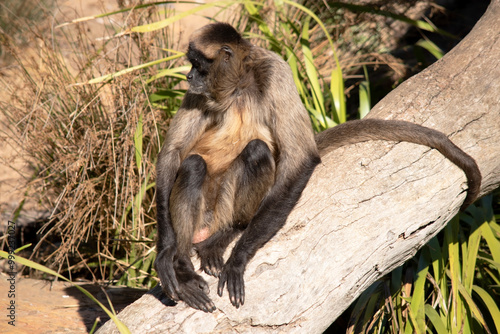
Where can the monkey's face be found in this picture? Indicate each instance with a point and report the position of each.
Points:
(197, 76)
(215, 78)
(218, 71)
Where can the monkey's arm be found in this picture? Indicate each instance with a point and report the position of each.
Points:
(269, 219)
(295, 163)
(185, 129)
(168, 164)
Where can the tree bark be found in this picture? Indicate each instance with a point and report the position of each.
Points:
(367, 209)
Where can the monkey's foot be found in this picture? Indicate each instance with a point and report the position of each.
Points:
(195, 293)
(211, 261)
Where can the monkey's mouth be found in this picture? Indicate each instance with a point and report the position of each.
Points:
(196, 89)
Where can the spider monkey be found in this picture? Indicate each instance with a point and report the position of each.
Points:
(237, 156)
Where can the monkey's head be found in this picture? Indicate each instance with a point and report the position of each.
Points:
(219, 56)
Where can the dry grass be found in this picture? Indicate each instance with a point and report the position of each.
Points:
(83, 142)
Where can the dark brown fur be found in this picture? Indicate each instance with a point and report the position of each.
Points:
(237, 156)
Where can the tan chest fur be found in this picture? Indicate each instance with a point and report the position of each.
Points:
(222, 143)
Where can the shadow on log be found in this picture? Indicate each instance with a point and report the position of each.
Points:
(367, 209)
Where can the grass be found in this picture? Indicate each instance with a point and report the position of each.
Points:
(92, 149)
(450, 286)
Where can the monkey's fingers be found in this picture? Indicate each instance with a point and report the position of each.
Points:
(235, 285)
(235, 288)
(222, 283)
(200, 302)
(212, 265)
(193, 294)
(168, 279)
(171, 287)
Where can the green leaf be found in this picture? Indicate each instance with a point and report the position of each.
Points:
(435, 319)
(138, 142)
(175, 72)
(337, 82)
(471, 305)
(437, 258)
(418, 297)
(254, 13)
(363, 302)
(469, 258)
(491, 240)
(431, 47)
(312, 75)
(108, 77)
(164, 94)
(451, 237)
(337, 91)
(168, 21)
(493, 263)
(364, 95)
(490, 304)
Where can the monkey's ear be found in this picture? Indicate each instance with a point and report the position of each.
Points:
(226, 53)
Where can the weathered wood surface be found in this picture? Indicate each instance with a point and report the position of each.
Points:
(368, 207)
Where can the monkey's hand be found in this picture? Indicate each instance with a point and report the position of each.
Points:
(211, 260)
(180, 282)
(232, 273)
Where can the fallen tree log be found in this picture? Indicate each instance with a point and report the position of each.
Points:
(367, 209)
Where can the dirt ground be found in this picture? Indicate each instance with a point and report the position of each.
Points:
(57, 307)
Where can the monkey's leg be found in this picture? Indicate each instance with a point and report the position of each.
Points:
(186, 203)
(270, 216)
(245, 183)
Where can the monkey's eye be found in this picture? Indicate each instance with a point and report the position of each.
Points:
(227, 50)
(195, 63)
(226, 53)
